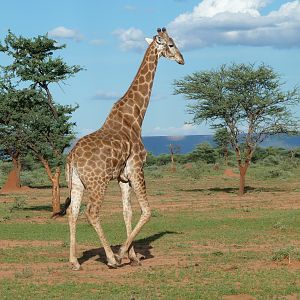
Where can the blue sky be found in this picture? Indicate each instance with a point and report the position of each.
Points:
(107, 39)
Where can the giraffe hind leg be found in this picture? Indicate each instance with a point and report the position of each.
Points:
(93, 215)
(73, 212)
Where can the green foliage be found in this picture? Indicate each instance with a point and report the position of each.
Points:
(198, 170)
(33, 59)
(30, 162)
(276, 172)
(203, 152)
(222, 138)
(153, 172)
(151, 159)
(30, 120)
(29, 126)
(238, 96)
(19, 203)
(245, 100)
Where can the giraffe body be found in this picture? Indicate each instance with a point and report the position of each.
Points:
(116, 151)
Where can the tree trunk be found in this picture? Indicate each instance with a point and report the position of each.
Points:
(243, 171)
(56, 191)
(55, 185)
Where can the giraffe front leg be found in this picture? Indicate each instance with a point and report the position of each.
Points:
(138, 183)
(127, 214)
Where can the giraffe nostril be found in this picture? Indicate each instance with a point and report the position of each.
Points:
(181, 61)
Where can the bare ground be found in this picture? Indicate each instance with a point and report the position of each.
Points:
(173, 196)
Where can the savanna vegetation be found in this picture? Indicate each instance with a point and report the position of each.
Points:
(204, 240)
(247, 101)
(31, 121)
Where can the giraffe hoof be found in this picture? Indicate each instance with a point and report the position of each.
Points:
(112, 266)
(118, 259)
(141, 256)
(135, 263)
(76, 267)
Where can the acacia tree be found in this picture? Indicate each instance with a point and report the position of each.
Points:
(27, 125)
(47, 138)
(247, 100)
(43, 126)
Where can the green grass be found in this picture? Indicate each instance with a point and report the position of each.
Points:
(192, 282)
(199, 252)
(34, 254)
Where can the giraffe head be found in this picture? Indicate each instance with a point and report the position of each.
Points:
(166, 46)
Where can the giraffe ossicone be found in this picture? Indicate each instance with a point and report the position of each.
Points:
(116, 151)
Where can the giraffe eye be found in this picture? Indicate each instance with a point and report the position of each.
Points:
(171, 46)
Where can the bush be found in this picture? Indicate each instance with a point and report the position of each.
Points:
(269, 172)
(153, 172)
(29, 163)
(151, 159)
(198, 170)
(272, 160)
(205, 153)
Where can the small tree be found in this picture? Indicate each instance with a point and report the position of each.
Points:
(47, 138)
(222, 139)
(43, 126)
(174, 149)
(27, 125)
(246, 100)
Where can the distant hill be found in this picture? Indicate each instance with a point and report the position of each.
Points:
(160, 144)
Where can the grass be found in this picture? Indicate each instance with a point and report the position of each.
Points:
(203, 242)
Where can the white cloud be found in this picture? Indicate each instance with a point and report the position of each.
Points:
(106, 96)
(131, 39)
(236, 22)
(65, 33)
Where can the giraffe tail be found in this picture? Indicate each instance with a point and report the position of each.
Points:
(63, 211)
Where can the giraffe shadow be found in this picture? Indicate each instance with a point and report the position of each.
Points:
(142, 248)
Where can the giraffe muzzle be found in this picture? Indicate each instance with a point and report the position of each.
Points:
(180, 60)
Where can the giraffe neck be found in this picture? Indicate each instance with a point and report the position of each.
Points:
(130, 110)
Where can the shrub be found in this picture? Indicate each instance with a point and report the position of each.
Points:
(198, 170)
(153, 172)
(289, 253)
(272, 160)
(275, 172)
(204, 152)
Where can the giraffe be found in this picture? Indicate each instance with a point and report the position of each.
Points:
(116, 151)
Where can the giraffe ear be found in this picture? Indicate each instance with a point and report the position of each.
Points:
(148, 40)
